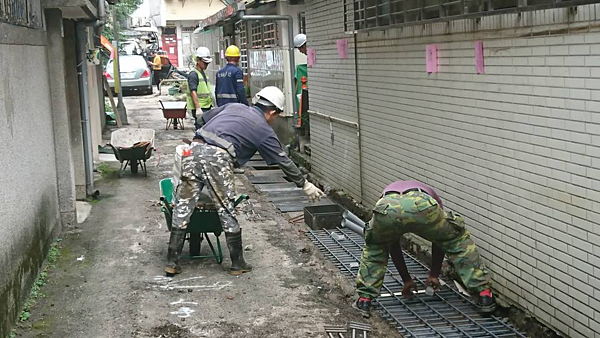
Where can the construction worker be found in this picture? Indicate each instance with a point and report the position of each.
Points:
(301, 69)
(230, 79)
(300, 43)
(156, 67)
(413, 207)
(232, 134)
(199, 96)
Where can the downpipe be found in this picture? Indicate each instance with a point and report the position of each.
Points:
(85, 108)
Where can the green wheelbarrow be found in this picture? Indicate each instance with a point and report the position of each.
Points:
(204, 220)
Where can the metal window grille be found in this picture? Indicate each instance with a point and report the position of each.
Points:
(26, 13)
(302, 22)
(264, 34)
(188, 29)
(367, 14)
(270, 34)
(242, 33)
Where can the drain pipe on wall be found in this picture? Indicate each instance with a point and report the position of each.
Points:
(242, 16)
(84, 102)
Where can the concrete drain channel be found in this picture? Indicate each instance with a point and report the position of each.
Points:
(446, 314)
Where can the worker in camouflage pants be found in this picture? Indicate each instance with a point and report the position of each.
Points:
(202, 164)
(412, 207)
(231, 135)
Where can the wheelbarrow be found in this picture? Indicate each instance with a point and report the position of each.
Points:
(204, 220)
(133, 147)
(174, 112)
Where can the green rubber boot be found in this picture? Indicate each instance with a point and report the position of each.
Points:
(236, 252)
(175, 247)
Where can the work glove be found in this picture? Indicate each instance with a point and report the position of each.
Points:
(314, 194)
(408, 287)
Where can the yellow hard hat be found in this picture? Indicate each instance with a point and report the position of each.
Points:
(233, 51)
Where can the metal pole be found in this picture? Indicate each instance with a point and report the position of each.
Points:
(121, 110)
(346, 223)
(85, 108)
(352, 217)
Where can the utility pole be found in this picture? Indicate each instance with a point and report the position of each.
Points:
(121, 110)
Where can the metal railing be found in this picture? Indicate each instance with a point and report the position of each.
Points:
(370, 14)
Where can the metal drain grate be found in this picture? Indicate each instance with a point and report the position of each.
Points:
(446, 314)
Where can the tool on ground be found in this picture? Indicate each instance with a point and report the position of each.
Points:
(356, 326)
(335, 330)
(132, 147)
(204, 220)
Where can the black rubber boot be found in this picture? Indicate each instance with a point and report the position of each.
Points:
(176, 243)
(363, 305)
(236, 252)
(486, 302)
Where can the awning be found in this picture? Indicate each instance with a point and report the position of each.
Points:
(221, 15)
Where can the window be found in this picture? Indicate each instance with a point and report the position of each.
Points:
(365, 14)
(242, 33)
(26, 13)
(263, 34)
(302, 23)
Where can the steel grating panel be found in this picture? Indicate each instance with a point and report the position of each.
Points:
(446, 314)
(267, 179)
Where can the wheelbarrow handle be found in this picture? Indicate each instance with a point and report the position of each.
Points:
(239, 200)
(166, 205)
(161, 104)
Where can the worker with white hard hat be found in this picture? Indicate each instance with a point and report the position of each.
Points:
(301, 69)
(300, 43)
(199, 94)
(233, 133)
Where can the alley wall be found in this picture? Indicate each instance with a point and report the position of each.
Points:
(28, 182)
(515, 150)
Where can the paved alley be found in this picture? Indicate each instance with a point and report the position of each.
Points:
(109, 280)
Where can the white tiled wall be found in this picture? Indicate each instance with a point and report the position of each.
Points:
(515, 150)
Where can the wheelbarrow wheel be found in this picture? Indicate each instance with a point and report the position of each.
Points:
(134, 166)
(195, 243)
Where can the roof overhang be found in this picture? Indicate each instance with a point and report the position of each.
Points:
(75, 9)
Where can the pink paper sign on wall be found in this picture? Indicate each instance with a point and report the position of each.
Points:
(312, 57)
(342, 48)
(431, 59)
(222, 54)
(479, 57)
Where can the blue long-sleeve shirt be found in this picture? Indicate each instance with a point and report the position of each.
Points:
(230, 85)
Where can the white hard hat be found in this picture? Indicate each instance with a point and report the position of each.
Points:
(204, 54)
(299, 40)
(270, 96)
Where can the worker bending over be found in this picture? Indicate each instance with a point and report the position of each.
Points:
(413, 207)
(232, 134)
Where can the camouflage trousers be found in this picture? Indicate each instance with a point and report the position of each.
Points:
(212, 167)
(416, 212)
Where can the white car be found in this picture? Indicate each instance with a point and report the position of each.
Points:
(136, 77)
